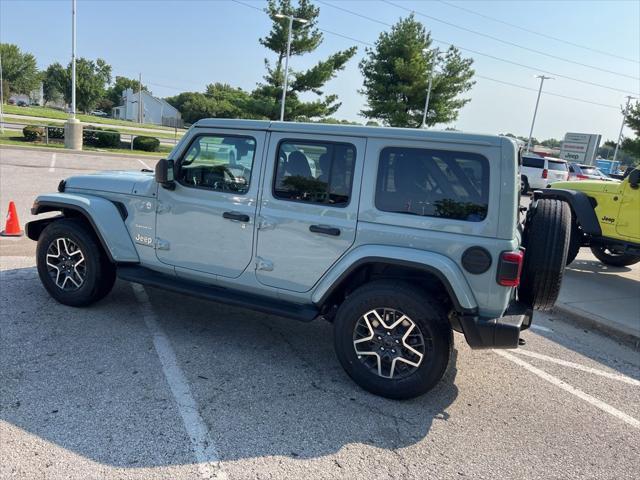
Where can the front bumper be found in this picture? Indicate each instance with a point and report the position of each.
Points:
(502, 332)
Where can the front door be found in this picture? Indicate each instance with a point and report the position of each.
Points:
(309, 207)
(206, 223)
(627, 223)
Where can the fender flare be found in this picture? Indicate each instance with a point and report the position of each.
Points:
(104, 216)
(442, 267)
(581, 205)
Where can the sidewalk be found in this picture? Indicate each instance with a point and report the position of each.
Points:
(603, 296)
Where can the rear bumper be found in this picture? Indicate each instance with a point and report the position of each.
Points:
(502, 332)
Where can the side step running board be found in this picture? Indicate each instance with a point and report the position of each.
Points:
(145, 276)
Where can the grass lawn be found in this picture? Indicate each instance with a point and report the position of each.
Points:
(45, 112)
(14, 138)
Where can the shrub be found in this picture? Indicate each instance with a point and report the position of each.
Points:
(55, 132)
(147, 144)
(32, 133)
(90, 137)
(108, 138)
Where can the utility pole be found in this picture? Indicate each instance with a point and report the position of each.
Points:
(286, 61)
(535, 112)
(140, 119)
(625, 112)
(1, 98)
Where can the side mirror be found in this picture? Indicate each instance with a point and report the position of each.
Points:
(164, 173)
(634, 178)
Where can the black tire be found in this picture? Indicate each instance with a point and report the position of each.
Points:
(99, 274)
(608, 257)
(426, 313)
(546, 240)
(524, 185)
(574, 243)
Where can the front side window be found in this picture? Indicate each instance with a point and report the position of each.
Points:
(218, 162)
(433, 183)
(315, 172)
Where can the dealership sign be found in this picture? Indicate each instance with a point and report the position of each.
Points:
(580, 147)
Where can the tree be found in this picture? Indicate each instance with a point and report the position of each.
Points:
(306, 38)
(91, 80)
(218, 101)
(632, 145)
(19, 70)
(114, 92)
(54, 83)
(396, 74)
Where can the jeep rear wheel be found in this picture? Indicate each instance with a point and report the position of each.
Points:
(72, 265)
(610, 257)
(546, 239)
(393, 339)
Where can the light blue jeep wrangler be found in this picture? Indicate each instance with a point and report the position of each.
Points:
(396, 236)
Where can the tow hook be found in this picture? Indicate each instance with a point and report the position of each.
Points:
(522, 342)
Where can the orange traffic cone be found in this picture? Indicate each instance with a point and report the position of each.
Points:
(12, 227)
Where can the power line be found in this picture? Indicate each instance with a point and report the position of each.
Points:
(534, 32)
(476, 75)
(507, 42)
(494, 57)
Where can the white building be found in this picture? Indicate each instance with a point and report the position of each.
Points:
(154, 110)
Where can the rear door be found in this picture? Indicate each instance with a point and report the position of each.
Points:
(558, 171)
(309, 207)
(628, 223)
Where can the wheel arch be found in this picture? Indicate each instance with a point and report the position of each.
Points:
(431, 270)
(582, 207)
(104, 217)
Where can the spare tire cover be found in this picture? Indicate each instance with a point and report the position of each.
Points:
(547, 234)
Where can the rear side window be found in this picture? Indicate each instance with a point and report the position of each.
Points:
(315, 172)
(557, 166)
(533, 162)
(433, 183)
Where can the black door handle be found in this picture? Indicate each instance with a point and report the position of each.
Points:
(240, 217)
(325, 229)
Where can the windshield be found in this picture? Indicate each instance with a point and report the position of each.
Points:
(586, 170)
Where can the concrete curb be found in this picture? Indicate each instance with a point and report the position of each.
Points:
(83, 152)
(601, 324)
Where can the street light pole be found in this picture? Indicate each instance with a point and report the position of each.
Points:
(624, 119)
(286, 61)
(73, 59)
(1, 98)
(535, 112)
(426, 103)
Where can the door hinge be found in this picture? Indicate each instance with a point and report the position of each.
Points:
(262, 264)
(163, 207)
(161, 244)
(265, 224)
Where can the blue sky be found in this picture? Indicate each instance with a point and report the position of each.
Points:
(183, 45)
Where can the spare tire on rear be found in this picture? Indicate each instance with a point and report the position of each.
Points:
(547, 233)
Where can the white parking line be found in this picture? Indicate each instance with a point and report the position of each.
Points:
(577, 366)
(541, 328)
(52, 165)
(144, 164)
(605, 407)
(201, 443)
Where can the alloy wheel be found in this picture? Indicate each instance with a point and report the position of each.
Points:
(66, 264)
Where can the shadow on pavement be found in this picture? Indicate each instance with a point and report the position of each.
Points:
(89, 381)
(595, 266)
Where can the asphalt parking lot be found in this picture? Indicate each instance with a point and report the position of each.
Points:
(147, 384)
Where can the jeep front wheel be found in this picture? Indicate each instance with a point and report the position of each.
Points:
(72, 265)
(610, 257)
(393, 339)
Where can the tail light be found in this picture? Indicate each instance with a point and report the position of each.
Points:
(545, 173)
(510, 268)
(582, 177)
